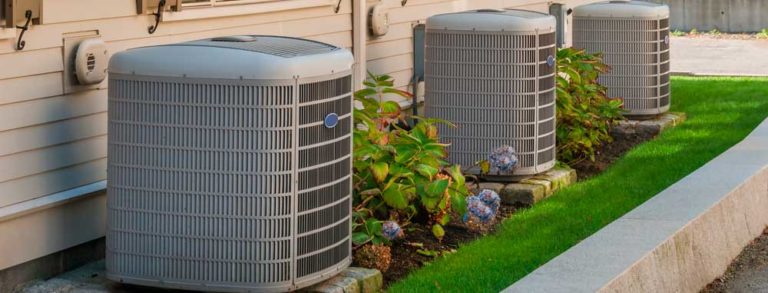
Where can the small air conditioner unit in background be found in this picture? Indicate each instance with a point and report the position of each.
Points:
(634, 39)
(492, 73)
(230, 164)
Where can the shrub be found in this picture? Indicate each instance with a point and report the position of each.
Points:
(399, 170)
(584, 113)
(677, 33)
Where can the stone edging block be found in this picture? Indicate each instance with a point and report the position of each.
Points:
(530, 190)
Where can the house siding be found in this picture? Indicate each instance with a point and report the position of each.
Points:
(52, 142)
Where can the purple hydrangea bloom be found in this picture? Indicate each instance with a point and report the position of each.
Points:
(477, 209)
(503, 159)
(391, 230)
(490, 198)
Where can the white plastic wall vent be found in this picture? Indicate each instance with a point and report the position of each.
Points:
(634, 39)
(492, 72)
(229, 164)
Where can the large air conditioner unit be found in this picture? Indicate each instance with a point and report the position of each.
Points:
(634, 39)
(229, 164)
(492, 73)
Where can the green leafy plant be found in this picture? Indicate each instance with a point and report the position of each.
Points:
(714, 32)
(584, 113)
(678, 33)
(399, 169)
(694, 31)
(763, 34)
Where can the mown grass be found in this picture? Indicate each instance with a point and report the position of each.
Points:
(721, 112)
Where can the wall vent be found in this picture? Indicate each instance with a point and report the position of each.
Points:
(223, 173)
(492, 72)
(634, 39)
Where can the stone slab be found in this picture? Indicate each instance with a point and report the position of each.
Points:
(530, 190)
(678, 241)
(654, 125)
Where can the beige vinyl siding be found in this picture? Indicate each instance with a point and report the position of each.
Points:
(49, 141)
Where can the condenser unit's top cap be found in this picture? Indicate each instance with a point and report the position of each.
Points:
(493, 20)
(235, 57)
(622, 9)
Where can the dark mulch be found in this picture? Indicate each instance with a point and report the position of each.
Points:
(405, 257)
(745, 274)
(624, 139)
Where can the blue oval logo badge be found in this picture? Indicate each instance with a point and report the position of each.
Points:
(551, 60)
(331, 120)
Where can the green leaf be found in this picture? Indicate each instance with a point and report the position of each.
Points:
(394, 197)
(445, 219)
(457, 175)
(380, 170)
(437, 188)
(485, 166)
(428, 252)
(438, 231)
(426, 170)
(365, 93)
(360, 238)
(459, 203)
(391, 108)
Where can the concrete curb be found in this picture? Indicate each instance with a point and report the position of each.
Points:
(678, 241)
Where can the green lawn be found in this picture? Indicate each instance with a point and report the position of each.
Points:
(721, 112)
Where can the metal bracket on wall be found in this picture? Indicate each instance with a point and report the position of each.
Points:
(18, 11)
(158, 16)
(20, 43)
(157, 7)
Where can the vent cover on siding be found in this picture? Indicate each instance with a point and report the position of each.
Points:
(492, 73)
(634, 39)
(229, 184)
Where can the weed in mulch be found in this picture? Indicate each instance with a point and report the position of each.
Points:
(419, 247)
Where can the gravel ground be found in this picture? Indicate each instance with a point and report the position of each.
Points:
(748, 272)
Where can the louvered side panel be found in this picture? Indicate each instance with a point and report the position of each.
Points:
(498, 89)
(638, 52)
(323, 218)
(201, 181)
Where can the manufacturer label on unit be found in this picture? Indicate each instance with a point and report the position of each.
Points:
(331, 120)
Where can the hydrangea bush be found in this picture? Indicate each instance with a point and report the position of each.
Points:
(399, 169)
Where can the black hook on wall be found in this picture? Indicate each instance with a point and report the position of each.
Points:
(338, 7)
(158, 16)
(21, 43)
(402, 3)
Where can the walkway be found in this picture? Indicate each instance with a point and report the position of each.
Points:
(708, 56)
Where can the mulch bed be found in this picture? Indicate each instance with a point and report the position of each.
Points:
(623, 141)
(740, 276)
(418, 236)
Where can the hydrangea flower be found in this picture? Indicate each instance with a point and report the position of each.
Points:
(503, 159)
(391, 230)
(477, 209)
(490, 198)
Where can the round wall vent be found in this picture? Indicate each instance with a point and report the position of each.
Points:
(91, 61)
